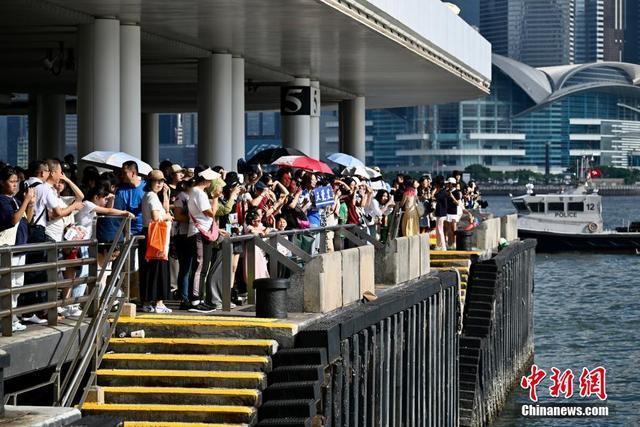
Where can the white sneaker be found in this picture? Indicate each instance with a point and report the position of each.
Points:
(35, 320)
(163, 309)
(73, 311)
(17, 326)
(148, 309)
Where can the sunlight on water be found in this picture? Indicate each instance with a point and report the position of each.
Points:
(586, 314)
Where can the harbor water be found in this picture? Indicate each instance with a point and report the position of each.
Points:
(586, 314)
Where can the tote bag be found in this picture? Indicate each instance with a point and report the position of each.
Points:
(158, 241)
(8, 236)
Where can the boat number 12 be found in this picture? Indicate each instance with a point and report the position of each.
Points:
(591, 206)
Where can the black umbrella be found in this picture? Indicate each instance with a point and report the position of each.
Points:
(270, 155)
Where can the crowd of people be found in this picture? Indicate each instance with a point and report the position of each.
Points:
(50, 202)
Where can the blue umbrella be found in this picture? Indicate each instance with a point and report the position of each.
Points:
(345, 160)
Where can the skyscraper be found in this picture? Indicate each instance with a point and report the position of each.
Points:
(551, 32)
(536, 32)
(632, 32)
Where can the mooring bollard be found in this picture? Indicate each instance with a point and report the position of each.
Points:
(271, 297)
(463, 240)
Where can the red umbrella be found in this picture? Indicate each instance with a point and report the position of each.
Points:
(303, 162)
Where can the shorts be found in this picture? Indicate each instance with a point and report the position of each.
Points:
(451, 218)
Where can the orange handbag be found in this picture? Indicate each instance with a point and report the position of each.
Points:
(158, 241)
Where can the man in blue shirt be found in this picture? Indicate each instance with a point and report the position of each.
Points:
(128, 198)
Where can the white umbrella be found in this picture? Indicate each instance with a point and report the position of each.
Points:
(115, 159)
(372, 172)
(356, 171)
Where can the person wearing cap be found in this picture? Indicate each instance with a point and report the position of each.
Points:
(202, 211)
(154, 274)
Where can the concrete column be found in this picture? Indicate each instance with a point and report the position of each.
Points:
(314, 126)
(214, 110)
(51, 126)
(296, 129)
(106, 85)
(84, 106)
(352, 127)
(130, 92)
(150, 139)
(238, 142)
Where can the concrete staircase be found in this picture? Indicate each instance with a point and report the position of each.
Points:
(188, 370)
(457, 260)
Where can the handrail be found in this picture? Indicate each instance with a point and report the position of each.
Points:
(97, 305)
(269, 243)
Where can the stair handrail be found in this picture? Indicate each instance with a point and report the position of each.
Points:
(65, 388)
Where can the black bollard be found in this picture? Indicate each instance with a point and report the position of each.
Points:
(271, 297)
(463, 240)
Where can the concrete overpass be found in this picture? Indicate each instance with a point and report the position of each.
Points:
(119, 62)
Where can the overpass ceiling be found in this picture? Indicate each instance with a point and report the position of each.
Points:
(279, 39)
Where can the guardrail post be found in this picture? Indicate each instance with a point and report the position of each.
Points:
(93, 272)
(227, 271)
(5, 301)
(273, 263)
(251, 270)
(52, 277)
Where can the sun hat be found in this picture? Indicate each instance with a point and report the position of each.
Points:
(209, 174)
(156, 175)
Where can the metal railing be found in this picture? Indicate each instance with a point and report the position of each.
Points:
(97, 306)
(338, 235)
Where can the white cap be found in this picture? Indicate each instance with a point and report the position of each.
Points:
(209, 174)
(451, 180)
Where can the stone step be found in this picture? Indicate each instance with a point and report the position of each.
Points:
(291, 422)
(300, 389)
(450, 262)
(297, 408)
(194, 346)
(209, 327)
(185, 395)
(180, 378)
(202, 362)
(464, 270)
(161, 413)
(296, 373)
(178, 424)
(301, 356)
(453, 254)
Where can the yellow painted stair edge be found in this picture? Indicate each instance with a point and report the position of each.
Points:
(187, 357)
(206, 322)
(177, 424)
(239, 342)
(247, 319)
(92, 406)
(176, 373)
(184, 390)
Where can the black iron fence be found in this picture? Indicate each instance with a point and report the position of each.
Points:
(497, 337)
(389, 362)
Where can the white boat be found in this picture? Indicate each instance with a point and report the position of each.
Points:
(570, 222)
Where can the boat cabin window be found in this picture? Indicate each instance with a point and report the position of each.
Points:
(576, 207)
(520, 205)
(536, 207)
(555, 207)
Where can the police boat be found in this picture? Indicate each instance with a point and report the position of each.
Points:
(570, 222)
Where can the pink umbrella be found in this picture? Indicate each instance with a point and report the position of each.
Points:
(303, 162)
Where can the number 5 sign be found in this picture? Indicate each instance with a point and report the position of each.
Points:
(299, 101)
